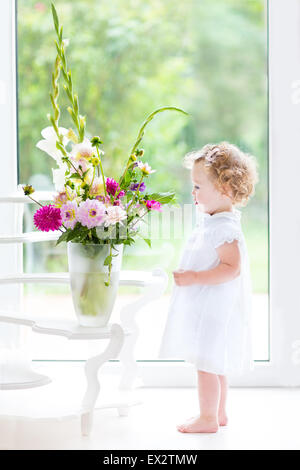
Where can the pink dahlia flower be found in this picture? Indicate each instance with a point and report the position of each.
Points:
(91, 213)
(47, 218)
(69, 213)
(154, 205)
(112, 186)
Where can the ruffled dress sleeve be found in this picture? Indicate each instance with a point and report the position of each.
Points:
(225, 233)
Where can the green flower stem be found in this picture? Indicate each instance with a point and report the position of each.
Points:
(124, 172)
(142, 131)
(94, 172)
(136, 194)
(35, 201)
(77, 170)
(101, 167)
(54, 98)
(138, 188)
(109, 268)
(140, 217)
(120, 189)
(78, 120)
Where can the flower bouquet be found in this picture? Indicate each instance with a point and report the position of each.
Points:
(96, 215)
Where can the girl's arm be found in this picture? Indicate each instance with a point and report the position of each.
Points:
(227, 269)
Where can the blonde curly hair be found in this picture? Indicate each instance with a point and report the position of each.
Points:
(232, 171)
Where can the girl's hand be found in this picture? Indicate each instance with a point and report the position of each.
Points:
(184, 278)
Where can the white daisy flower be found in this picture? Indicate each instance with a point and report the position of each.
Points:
(114, 214)
(145, 167)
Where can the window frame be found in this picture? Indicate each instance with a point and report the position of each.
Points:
(11, 255)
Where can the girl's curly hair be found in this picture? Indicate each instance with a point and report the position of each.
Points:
(232, 171)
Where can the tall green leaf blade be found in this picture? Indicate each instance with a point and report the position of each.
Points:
(55, 18)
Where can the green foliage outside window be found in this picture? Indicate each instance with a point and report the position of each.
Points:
(128, 58)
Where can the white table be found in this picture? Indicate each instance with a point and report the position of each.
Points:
(122, 338)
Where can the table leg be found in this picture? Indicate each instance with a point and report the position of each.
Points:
(128, 320)
(92, 366)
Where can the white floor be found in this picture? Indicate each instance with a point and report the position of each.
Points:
(260, 418)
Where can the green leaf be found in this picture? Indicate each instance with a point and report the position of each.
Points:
(75, 176)
(64, 74)
(85, 173)
(148, 241)
(63, 237)
(60, 147)
(78, 232)
(58, 49)
(55, 18)
(127, 178)
(107, 260)
(163, 198)
(68, 93)
(73, 115)
(81, 132)
(128, 241)
(76, 106)
(52, 100)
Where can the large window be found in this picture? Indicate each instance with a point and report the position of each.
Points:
(127, 58)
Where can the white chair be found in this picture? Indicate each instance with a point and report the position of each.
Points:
(19, 374)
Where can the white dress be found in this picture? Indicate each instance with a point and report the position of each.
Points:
(210, 325)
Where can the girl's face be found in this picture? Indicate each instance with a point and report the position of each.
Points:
(204, 191)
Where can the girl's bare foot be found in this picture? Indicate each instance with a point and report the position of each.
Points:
(199, 424)
(222, 419)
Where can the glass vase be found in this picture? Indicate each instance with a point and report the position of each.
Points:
(93, 301)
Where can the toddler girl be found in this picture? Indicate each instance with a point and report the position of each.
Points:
(210, 307)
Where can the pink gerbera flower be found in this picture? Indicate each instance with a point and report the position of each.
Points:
(154, 205)
(91, 213)
(47, 218)
(69, 213)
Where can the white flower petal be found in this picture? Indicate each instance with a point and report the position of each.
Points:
(85, 147)
(49, 133)
(115, 214)
(59, 177)
(48, 147)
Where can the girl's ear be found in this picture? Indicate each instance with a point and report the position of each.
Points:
(227, 191)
